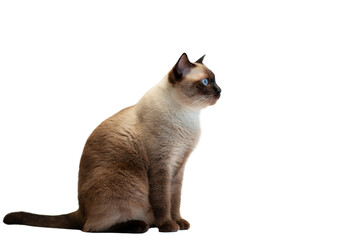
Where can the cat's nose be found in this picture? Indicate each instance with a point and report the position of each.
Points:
(217, 90)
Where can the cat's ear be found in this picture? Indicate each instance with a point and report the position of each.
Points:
(181, 68)
(200, 60)
(183, 65)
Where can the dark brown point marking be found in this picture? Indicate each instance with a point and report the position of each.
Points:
(200, 60)
(133, 226)
(181, 68)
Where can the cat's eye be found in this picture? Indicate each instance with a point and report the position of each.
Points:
(205, 81)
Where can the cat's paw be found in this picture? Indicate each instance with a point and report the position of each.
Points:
(183, 224)
(168, 226)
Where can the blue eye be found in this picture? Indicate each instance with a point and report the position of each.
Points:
(205, 81)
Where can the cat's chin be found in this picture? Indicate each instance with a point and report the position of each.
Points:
(211, 102)
(214, 100)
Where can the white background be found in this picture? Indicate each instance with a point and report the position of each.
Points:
(279, 156)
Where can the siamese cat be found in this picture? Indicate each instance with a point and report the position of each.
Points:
(132, 165)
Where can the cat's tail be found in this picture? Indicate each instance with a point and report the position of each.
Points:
(67, 221)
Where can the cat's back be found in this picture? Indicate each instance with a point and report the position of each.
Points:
(113, 147)
(115, 128)
(113, 138)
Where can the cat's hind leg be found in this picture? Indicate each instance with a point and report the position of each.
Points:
(134, 218)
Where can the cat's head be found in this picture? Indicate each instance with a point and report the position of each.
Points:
(193, 83)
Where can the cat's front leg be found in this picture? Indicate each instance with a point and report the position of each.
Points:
(160, 199)
(176, 186)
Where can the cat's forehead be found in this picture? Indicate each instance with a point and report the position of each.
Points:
(199, 72)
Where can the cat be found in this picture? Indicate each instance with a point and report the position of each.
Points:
(132, 165)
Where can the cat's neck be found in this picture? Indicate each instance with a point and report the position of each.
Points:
(164, 94)
(161, 100)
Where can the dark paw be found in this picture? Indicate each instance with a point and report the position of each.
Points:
(137, 227)
(183, 224)
(168, 226)
(133, 226)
